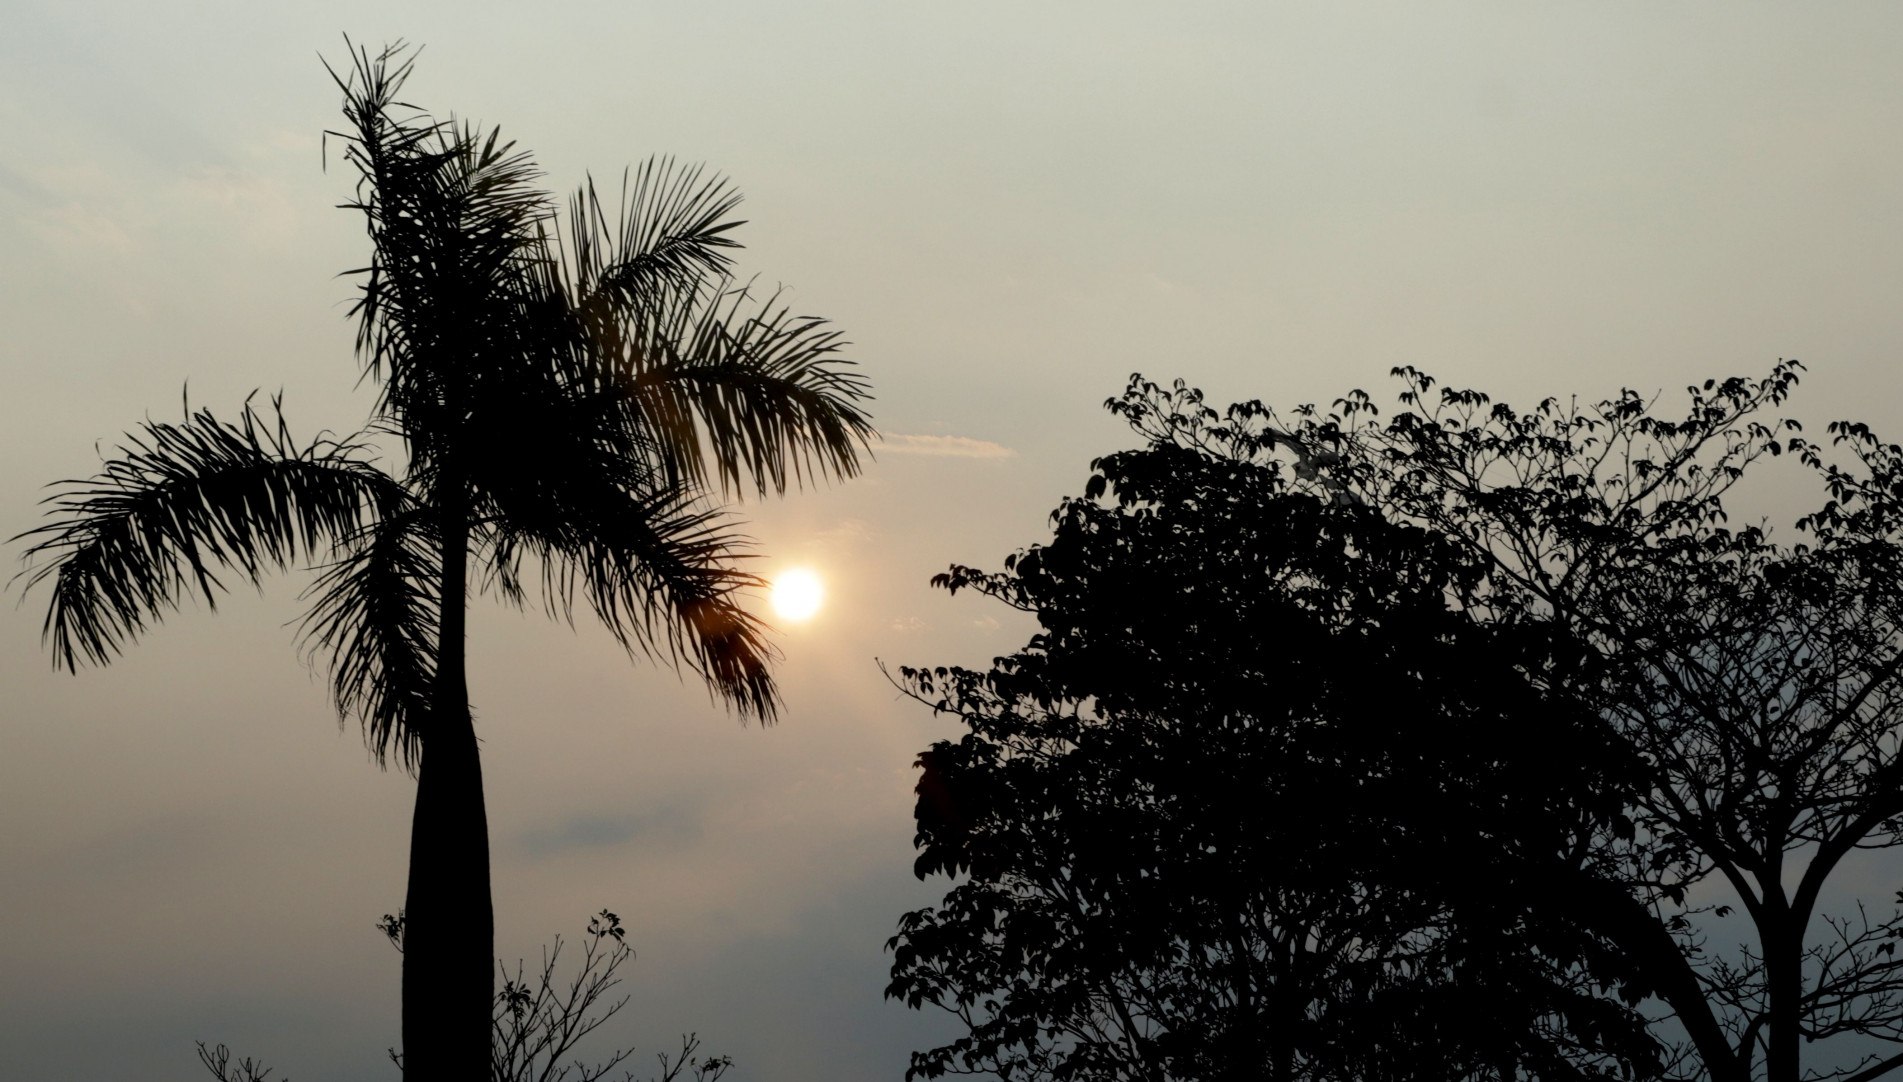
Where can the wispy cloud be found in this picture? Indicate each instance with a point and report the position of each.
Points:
(899, 443)
(23, 187)
(254, 205)
(77, 226)
(846, 535)
(672, 825)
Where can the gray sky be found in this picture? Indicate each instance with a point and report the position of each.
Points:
(1008, 208)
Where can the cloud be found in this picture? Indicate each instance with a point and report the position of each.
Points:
(899, 443)
(255, 206)
(285, 141)
(1164, 285)
(844, 536)
(77, 226)
(22, 186)
(671, 826)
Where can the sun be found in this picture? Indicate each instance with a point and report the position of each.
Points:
(797, 594)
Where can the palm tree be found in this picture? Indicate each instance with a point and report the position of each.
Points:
(568, 397)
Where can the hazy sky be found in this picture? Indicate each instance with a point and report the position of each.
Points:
(1008, 208)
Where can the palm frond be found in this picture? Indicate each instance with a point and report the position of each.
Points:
(628, 373)
(180, 502)
(669, 233)
(741, 395)
(457, 228)
(658, 574)
(735, 393)
(651, 560)
(376, 614)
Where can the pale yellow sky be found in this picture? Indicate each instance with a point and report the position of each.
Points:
(1008, 208)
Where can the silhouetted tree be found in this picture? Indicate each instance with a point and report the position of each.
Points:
(1734, 701)
(1755, 682)
(219, 1062)
(566, 396)
(1256, 803)
(537, 1021)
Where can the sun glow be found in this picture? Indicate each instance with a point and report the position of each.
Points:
(797, 595)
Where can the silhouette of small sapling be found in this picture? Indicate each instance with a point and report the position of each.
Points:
(539, 1018)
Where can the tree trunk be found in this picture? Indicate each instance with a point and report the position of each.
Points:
(449, 921)
(1635, 929)
(1784, 986)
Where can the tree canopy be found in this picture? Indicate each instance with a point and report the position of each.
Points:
(1252, 803)
(1467, 742)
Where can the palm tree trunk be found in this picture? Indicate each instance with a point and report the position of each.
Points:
(449, 921)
